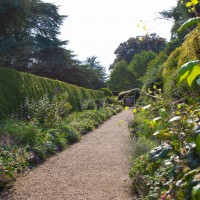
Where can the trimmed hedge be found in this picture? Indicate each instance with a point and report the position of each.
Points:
(107, 92)
(16, 86)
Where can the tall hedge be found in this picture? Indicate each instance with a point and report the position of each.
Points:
(16, 86)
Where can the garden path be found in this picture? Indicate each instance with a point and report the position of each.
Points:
(96, 168)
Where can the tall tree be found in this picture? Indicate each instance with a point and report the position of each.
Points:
(128, 49)
(140, 62)
(29, 42)
(179, 14)
(139, 65)
(121, 78)
(28, 29)
(153, 75)
(93, 64)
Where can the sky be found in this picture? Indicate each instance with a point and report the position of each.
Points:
(97, 27)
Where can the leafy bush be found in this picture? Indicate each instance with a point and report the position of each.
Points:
(71, 133)
(58, 138)
(89, 105)
(13, 160)
(46, 112)
(48, 128)
(111, 100)
(170, 170)
(20, 133)
(89, 119)
(142, 146)
(154, 71)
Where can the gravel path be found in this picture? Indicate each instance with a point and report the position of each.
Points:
(96, 168)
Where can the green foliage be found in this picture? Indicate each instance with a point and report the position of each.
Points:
(178, 15)
(139, 65)
(42, 103)
(189, 71)
(145, 123)
(70, 133)
(127, 50)
(125, 77)
(29, 42)
(58, 137)
(89, 105)
(196, 192)
(25, 143)
(187, 52)
(171, 170)
(172, 45)
(140, 62)
(13, 93)
(192, 3)
(44, 111)
(13, 160)
(188, 23)
(142, 146)
(93, 64)
(29, 133)
(107, 91)
(198, 144)
(29, 32)
(154, 71)
(121, 78)
(111, 100)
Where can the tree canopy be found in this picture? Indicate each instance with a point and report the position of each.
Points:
(179, 14)
(140, 61)
(132, 46)
(28, 28)
(93, 64)
(29, 42)
(121, 78)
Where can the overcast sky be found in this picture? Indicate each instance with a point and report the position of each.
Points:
(97, 27)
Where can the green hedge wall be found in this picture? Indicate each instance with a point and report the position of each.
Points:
(16, 86)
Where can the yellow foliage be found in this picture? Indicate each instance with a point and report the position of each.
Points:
(190, 50)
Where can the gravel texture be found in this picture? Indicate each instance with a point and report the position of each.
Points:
(96, 168)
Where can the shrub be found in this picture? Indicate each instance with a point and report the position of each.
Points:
(89, 105)
(71, 133)
(171, 169)
(57, 138)
(40, 154)
(46, 112)
(20, 133)
(142, 146)
(13, 159)
(111, 100)
(25, 143)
